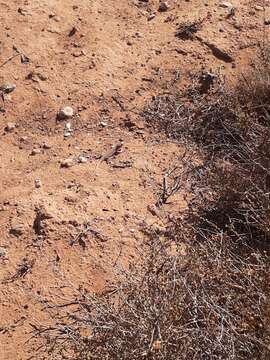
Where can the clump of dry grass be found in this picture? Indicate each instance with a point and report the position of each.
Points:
(253, 90)
(186, 30)
(194, 296)
(213, 117)
(202, 289)
(195, 117)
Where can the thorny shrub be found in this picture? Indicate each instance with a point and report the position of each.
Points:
(202, 289)
(195, 296)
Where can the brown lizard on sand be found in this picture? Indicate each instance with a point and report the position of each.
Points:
(116, 149)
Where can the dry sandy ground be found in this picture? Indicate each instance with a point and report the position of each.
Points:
(105, 58)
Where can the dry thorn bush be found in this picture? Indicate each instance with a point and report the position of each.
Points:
(194, 296)
(201, 290)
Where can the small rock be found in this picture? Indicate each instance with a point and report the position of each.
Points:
(10, 126)
(24, 59)
(41, 76)
(139, 35)
(151, 17)
(38, 183)
(72, 31)
(16, 230)
(53, 30)
(39, 224)
(65, 113)
(68, 126)
(36, 76)
(22, 11)
(163, 6)
(67, 163)
(226, 4)
(78, 53)
(2, 252)
(36, 151)
(259, 8)
(46, 146)
(267, 22)
(67, 130)
(7, 88)
(82, 159)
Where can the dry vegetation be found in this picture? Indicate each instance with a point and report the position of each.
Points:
(202, 292)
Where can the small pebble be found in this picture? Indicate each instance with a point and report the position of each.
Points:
(226, 4)
(10, 126)
(67, 130)
(36, 151)
(7, 88)
(163, 6)
(151, 17)
(2, 252)
(139, 35)
(47, 146)
(65, 113)
(67, 163)
(82, 159)
(16, 230)
(68, 126)
(38, 183)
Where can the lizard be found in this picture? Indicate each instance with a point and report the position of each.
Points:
(116, 149)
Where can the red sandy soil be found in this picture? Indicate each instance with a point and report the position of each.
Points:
(107, 69)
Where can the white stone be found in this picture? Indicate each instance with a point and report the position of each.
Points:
(226, 4)
(82, 159)
(47, 146)
(10, 126)
(66, 112)
(68, 126)
(36, 151)
(67, 163)
(151, 17)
